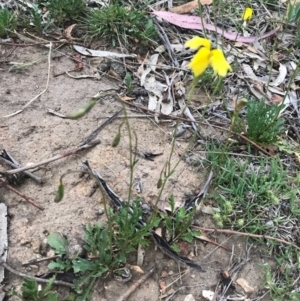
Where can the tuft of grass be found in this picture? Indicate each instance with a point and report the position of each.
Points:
(117, 22)
(281, 282)
(8, 22)
(63, 12)
(248, 193)
(263, 123)
(293, 16)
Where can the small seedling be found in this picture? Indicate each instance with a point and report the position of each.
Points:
(37, 19)
(178, 223)
(32, 292)
(8, 22)
(128, 83)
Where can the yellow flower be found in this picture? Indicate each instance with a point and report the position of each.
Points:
(200, 61)
(247, 14)
(197, 42)
(218, 62)
(206, 57)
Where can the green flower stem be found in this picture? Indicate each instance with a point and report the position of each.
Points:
(167, 171)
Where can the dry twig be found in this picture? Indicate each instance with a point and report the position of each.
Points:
(37, 279)
(57, 157)
(28, 199)
(226, 231)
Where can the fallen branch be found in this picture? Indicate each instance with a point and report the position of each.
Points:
(37, 279)
(133, 287)
(28, 199)
(55, 158)
(226, 231)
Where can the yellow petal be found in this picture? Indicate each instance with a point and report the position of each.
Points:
(200, 61)
(197, 42)
(219, 63)
(247, 14)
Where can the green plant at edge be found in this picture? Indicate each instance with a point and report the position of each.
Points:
(282, 283)
(293, 15)
(8, 22)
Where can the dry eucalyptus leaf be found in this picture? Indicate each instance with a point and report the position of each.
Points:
(153, 103)
(160, 49)
(91, 52)
(249, 72)
(151, 67)
(243, 283)
(163, 287)
(185, 8)
(208, 295)
(276, 90)
(136, 269)
(277, 99)
(291, 99)
(68, 31)
(281, 77)
(140, 255)
(126, 98)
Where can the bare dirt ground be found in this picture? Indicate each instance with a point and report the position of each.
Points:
(35, 135)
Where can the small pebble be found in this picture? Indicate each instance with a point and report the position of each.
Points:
(100, 212)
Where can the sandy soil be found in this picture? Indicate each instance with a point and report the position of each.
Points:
(35, 135)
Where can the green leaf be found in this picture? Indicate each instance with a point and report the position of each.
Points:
(181, 213)
(101, 271)
(59, 193)
(52, 297)
(58, 243)
(128, 82)
(59, 264)
(172, 203)
(117, 140)
(83, 265)
(47, 287)
(30, 290)
(175, 248)
(159, 183)
(187, 237)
